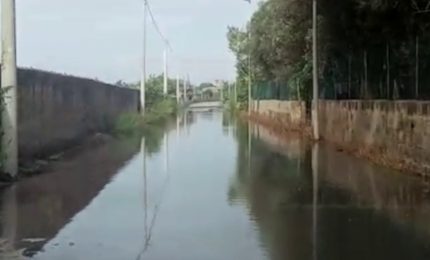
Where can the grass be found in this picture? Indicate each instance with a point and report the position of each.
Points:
(134, 123)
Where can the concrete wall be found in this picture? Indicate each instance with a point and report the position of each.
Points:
(56, 111)
(292, 113)
(396, 130)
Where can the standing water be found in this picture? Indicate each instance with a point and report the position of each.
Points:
(211, 188)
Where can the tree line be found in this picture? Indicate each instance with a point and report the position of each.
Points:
(368, 49)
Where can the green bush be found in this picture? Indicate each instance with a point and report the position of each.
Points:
(135, 124)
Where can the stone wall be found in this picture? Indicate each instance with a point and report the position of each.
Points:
(396, 131)
(57, 111)
(289, 113)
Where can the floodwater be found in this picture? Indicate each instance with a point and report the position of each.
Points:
(207, 187)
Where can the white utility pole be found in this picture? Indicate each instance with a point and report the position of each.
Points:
(177, 89)
(165, 70)
(221, 85)
(229, 91)
(143, 75)
(184, 94)
(9, 88)
(235, 93)
(249, 72)
(249, 77)
(315, 114)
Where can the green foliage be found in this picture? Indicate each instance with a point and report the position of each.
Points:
(360, 42)
(135, 124)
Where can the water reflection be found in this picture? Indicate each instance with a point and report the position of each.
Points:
(319, 203)
(206, 186)
(35, 209)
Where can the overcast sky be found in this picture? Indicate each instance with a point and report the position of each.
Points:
(102, 38)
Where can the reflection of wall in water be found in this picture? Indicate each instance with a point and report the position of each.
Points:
(352, 221)
(293, 148)
(266, 186)
(46, 203)
(402, 198)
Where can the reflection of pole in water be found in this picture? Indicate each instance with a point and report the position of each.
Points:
(249, 147)
(187, 126)
(145, 188)
(177, 127)
(145, 201)
(9, 222)
(315, 175)
(185, 120)
(166, 152)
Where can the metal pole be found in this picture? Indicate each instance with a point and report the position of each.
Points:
(184, 94)
(143, 75)
(388, 71)
(9, 88)
(249, 77)
(249, 72)
(165, 71)
(229, 91)
(177, 89)
(235, 93)
(221, 84)
(315, 116)
(417, 66)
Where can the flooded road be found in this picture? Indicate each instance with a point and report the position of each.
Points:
(207, 187)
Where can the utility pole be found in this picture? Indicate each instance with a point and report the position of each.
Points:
(315, 114)
(188, 84)
(235, 93)
(229, 91)
(184, 94)
(249, 77)
(221, 85)
(177, 89)
(9, 88)
(165, 71)
(249, 72)
(143, 75)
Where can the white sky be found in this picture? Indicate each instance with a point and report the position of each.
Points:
(102, 38)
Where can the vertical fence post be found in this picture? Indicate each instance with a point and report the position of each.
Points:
(417, 66)
(388, 70)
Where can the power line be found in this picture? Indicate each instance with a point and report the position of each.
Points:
(154, 22)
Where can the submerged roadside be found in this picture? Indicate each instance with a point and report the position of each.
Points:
(389, 133)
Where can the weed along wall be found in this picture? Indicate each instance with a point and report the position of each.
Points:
(56, 111)
(393, 132)
(291, 114)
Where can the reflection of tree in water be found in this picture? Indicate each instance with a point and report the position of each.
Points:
(154, 135)
(189, 118)
(228, 122)
(278, 193)
(267, 182)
